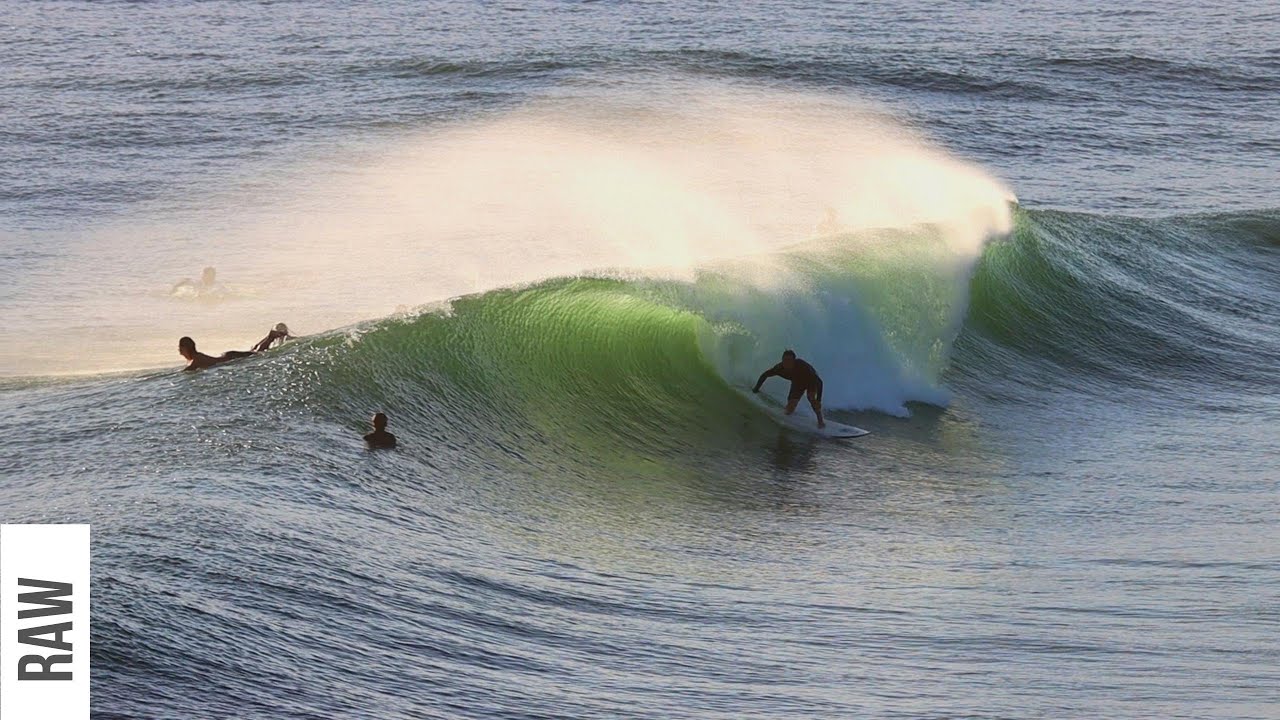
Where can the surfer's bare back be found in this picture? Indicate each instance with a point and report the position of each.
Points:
(198, 360)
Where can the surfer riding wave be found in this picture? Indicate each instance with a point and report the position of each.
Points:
(804, 381)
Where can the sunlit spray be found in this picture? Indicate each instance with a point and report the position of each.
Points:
(601, 183)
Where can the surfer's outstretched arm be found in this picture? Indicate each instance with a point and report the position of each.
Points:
(766, 375)
(279, 332)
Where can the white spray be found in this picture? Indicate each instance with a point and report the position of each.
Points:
(560, 187)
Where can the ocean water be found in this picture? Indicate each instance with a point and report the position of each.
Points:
(1035, 249)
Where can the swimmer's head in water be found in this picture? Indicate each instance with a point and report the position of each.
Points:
(208, 276)
(186, 347)
(282, 328)
(379, 422)
(788, 359)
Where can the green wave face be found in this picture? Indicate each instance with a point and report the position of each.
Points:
(1174, 302)
(580, 373)
(616, 374)
(628, 374)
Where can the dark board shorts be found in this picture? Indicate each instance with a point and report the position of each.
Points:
(798, 391)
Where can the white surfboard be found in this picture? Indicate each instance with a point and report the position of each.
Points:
(807, 422)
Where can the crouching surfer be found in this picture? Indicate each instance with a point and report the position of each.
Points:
(804, 381)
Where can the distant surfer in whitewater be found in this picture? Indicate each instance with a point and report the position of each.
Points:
(199, 361)
(206, 287)
(804, 381)
(829, 225)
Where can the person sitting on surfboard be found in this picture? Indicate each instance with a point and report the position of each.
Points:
(380, 438)
(279, 332)
(199, 361)
(804, 380)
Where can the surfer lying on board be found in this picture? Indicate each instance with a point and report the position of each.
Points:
(198, 360)
(804, 380)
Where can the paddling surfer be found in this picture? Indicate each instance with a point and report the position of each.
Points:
(198, 360)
